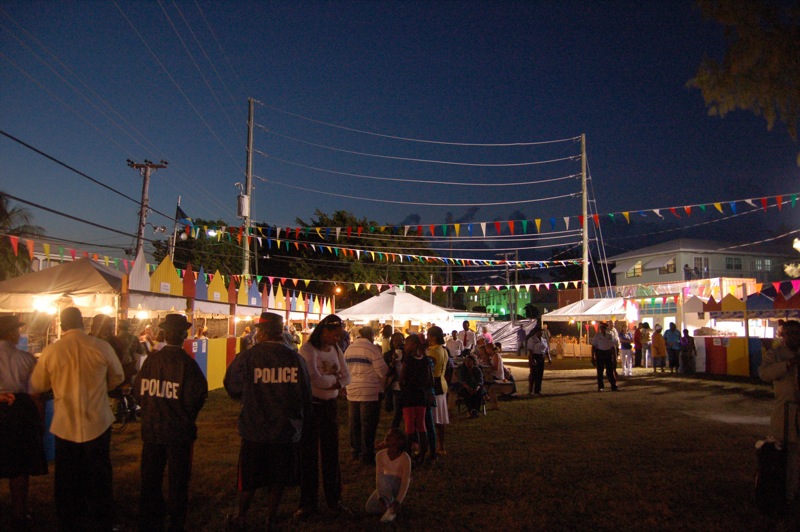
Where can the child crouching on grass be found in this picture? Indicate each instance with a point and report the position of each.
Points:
(392, 476)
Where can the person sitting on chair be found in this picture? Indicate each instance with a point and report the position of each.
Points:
(471, 391)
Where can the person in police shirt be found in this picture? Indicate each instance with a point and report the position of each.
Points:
(271, 381)
(171, 390)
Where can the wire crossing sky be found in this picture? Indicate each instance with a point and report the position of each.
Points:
(404, 113)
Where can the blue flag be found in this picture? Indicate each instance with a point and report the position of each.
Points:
(181, 218)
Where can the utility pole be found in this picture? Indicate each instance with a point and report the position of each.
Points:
(516, 286)
(585, 212)
(174, 240)
(244, 201)
(508, 283)
(145, 169)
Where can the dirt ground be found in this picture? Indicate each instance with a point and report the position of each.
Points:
(667, 452)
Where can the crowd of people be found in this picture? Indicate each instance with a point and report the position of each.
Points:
(288, 420)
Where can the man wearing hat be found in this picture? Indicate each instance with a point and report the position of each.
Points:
(604, 351)
(271, 381)
(171, 390)
(80, 369)
(21, 429)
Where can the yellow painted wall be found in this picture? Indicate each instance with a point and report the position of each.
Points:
(217, 362)
(738, 363)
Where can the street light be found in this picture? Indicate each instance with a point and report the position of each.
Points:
(337, 290)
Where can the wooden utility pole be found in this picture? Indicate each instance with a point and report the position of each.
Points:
(585, 212)
(145, 169)
(248, 187)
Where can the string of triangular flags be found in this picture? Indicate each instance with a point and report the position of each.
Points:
(359, 254)
(523, 226)
(289, 282)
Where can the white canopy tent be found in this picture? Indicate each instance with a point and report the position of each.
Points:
(589, 310)
(396, 304)
(87, 285)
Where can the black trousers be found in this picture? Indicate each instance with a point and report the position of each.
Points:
(536, 364)
(153, 509)
(320, 443)
(606, 360)
(83, 484)
(637, 357)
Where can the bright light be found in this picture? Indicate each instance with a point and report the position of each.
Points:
(45, 304)
(212, 232)
(796, 244)
(631, 313)
(105, 310)
(142, 315)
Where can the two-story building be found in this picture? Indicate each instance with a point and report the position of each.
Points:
(687, 259)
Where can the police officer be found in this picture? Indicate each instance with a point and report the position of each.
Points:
(604, 348)
(171, 390)
(271, 381)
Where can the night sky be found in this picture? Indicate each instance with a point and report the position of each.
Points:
(400, 112)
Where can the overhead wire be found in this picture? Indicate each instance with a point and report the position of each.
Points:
(425, 181)
(194, 62)
(409, 139)
(153, 149)
(418, 203)
(175, 84)
(411, 159)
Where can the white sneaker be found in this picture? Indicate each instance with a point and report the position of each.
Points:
(388, 516)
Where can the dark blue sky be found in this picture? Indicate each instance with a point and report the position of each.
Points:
(96, 83)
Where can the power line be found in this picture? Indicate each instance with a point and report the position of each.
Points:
(573, 139)
(426, 181)
(65, 215)
(68, 167)
(410, 159)
(418, 203)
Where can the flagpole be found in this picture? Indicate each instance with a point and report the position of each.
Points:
(174, 236)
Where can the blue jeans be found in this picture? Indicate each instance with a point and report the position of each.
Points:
(363, 420)
(388, 490)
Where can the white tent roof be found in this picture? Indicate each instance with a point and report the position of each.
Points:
(589, 309)
(87, 283)
(395, 304)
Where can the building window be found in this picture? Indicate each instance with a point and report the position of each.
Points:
(635, 270)
(733, 263)
(757, 265)
(768, 264)
(667, 268)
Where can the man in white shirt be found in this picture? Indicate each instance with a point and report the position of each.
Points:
(454, 345)
(467, 338)
(367, 370)
(80, 369)
(604, 356)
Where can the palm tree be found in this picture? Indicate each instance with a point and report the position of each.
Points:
(14, 221)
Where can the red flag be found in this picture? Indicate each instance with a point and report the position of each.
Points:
(15, 243)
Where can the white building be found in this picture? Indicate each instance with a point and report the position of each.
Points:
(686, 259)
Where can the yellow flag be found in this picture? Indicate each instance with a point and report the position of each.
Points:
(627, 216)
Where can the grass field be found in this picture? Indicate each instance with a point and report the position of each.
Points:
(666, 453)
